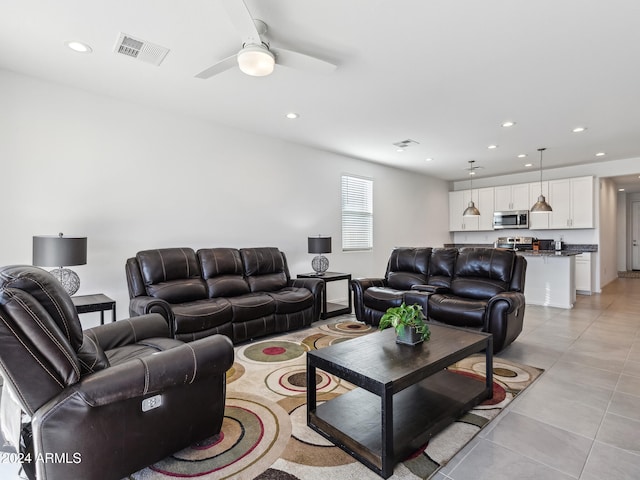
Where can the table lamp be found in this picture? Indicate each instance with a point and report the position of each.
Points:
(320, 245)
(60, 251)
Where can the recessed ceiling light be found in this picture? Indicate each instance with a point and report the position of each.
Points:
(428, 159)
(399, 149)
(528, 164)
(508, 124)
(621, 189)
(579, 129)
(79, 47)
(292, 115)
(522, 155)
(600, 154)
(491, 147)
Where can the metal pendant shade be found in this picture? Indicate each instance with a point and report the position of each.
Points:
(471, 210)
(541, 205)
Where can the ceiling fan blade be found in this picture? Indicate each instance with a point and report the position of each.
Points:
(243, 21)
(300, 61)
(219, 67)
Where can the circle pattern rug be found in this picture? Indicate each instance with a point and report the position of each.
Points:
(271, 351)
(292, 381)
(254, 434)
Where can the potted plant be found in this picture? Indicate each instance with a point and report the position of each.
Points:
(409, 322)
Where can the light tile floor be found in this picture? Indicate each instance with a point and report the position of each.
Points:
(581, 419)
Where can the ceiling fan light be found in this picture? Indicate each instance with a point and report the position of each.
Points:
(256, 60)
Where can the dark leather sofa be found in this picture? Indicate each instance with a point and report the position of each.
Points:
(73, 402)
(479, 288)
(241, 293)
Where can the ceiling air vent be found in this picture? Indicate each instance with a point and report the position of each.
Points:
(405, 143)
(140, 49)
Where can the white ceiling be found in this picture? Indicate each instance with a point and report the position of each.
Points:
(445, 73)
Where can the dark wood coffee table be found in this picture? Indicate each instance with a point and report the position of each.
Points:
(406, 395)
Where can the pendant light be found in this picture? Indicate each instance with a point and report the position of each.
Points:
(541, 206)
(471, 210)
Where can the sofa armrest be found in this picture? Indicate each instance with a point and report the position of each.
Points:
(316, 287)
(504, 318)
(131, 330)
(362, 284)
(359, 286)
(430, 288)
(144, 305)
(515, 300)
(140, 377)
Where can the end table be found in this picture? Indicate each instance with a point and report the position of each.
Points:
(95, 303)
(330, 309)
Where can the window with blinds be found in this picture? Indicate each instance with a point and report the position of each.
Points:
(357, 213)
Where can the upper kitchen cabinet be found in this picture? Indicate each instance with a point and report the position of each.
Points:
(572, 203)
(538, 220)
(511, 197)
(485, 205)
(458, 202)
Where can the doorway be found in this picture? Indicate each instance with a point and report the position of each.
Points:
(635, 232)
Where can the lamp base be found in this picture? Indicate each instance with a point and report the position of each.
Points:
(68, 278)
(320, 264)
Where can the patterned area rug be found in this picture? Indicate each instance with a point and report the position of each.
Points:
(264, 433)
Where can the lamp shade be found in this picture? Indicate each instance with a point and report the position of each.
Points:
(319, 244)
(59, 251)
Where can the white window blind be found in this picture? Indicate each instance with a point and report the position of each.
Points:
(357, 213)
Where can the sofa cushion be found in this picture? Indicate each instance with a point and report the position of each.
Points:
(172, 274)
(222, 271)
(251, 306)
(292, 299)
(482, 273)
(457, 311)
(264, 269)
(381, 298)
(442, 266)
(201, 315)
(408, 267)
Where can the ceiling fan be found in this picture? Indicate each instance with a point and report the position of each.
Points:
(256, 57)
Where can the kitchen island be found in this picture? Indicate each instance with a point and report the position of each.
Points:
(550, 278)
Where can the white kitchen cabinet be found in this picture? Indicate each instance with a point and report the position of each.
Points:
(572, 203)
(550, 280)
(511, 197)
(485, 205)
(583, 273)
(459, 200)
(538, 220)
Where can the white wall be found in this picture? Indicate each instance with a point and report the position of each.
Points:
(608, 253)
(622, 231)
(132, 178)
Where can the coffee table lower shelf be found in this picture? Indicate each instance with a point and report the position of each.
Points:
(353, 420)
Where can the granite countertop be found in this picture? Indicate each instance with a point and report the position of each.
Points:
(548, 253)
(567, 250)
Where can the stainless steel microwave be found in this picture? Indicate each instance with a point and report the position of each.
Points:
(512, 219)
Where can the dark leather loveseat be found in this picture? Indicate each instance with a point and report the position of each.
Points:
(480, 288)
(241, 293)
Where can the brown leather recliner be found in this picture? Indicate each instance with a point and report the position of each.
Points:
(106, 402)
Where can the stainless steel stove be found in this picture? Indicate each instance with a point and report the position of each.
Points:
(515, 243)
